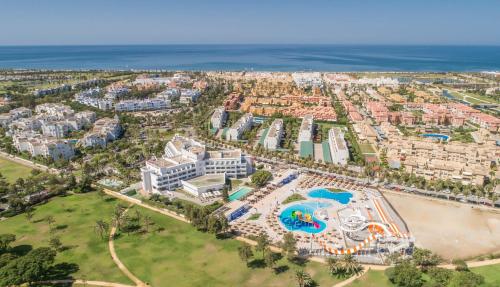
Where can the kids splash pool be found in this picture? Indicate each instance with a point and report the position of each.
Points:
(341, 196)
(300, 217)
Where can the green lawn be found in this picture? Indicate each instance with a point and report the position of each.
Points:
(75, 216)
(188, 257)
(491, 274)
(372, 279)
(13, 170)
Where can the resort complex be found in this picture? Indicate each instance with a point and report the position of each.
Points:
(331, 170)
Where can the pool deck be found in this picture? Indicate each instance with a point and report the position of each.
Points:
(368, 204)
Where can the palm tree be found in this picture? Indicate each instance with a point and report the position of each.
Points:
(148, 221)
(351, 266)
(50, 219)
(303, 278)
(335, 266)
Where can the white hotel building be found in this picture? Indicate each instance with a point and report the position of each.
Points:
(142, 105)
(338, 146)
(243, 124)
(185, 159)
(274, 135)
(218, 118)
(306, 129)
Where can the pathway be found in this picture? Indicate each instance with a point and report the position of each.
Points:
(28, 163)
(117, 260)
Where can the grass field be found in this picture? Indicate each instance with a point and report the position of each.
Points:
(188, 257)
(372, 279)
(12, 170)
(491, 274)
(75, 217)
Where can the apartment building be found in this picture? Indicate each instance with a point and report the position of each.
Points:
(142, 105)
(274, 135)
(218, 118)
(104, 131)
(189, 96)
(36, 145)
(338, 146)
(306, 129)
(239, 127)
(184, 159)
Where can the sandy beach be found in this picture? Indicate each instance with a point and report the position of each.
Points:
(452, 230)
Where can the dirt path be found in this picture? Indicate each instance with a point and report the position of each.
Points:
(117, 260)
(28, 163)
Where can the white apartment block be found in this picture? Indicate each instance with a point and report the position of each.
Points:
(306, 129)
(218, 118)
(170, 94)
(189, 96)
(338, 146)
(14, 114)
(104, 131)
(312, 79)
(142, 105)
(45, 147)
(185, 159)
(56, 111)
(239, 127)
(274, 135)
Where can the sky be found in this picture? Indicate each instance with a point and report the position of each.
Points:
(107, 22)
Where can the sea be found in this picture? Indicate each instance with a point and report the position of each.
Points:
(341, 58)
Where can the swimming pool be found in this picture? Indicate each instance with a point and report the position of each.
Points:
(437, 136)
(294, 224)
(242, 191)
(343, 197)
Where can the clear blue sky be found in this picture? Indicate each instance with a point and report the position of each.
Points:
(43, 22)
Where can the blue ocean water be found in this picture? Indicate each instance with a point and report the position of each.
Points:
(254, 57)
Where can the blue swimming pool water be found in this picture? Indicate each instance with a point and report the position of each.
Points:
(242, 191)
(342, 197)
(296, 225)
(437, 136)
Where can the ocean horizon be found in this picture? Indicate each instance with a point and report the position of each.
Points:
(255, 57)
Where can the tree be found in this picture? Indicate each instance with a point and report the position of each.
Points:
(50, 220)
(245, 252)
(303, 278)
(29, 213)
(440, 275)
(213, 224)
(55, 243)
(425, 259)
(335, 266)
(289, 245)
(350, 265)
(225, 194)
(262, 242)
(101, 227)
(405, 274)
(460, 265)
(465, 279)
(28, 269)
(261, 177)
(5, 241)
(148, 221)
(269, 258)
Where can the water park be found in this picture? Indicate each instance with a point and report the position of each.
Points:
(329, 217)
